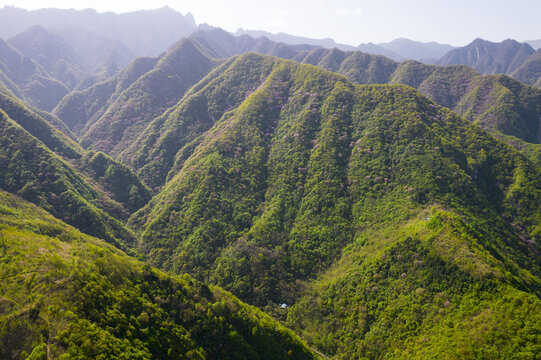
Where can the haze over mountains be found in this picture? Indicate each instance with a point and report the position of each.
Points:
(246, 198)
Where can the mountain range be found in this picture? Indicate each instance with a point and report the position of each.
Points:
(238, 197)
(145, 32)
(518, 60)
(398, 49)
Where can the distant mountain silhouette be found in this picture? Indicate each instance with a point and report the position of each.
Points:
(144, 32)
(416, 50)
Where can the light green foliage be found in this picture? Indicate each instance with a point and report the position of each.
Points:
(67, 295)
(281, 184)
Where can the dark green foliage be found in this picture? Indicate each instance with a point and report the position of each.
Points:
(359, 67)
(156, 150)
(37, 126)
(282, 183)
(122, 184)
(67, 295)
(505, 105)
(37, 174)
(420, 293)
(387, 224)
(496, 103)
(115, 188)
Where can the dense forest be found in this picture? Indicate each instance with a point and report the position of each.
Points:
(239, 198)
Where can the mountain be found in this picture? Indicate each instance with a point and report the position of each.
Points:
(490, 58)
(40, 67)
(149, 96)
(222, 44)
(288, 39)
(68, 295)
(27, 79)
(446, 85)
(372, 219)
(89, 191)
(51, 52)
(359, 67)
(506, 108)
(100, 57)
(294, 40)
(416, 50)
(309, 174)
(398, 49)
(372, 48)
(145, 32)
(81, 109)
(150, 87)
(518, 60)
(530, 71)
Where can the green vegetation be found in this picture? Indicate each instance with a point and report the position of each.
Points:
(371, 220)
(81, 109)
(423, 288)
(148, 97)
(49, 169)
(37, 174)
(292, 175)
(67, 295)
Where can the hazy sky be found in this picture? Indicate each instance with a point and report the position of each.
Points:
(455, 22)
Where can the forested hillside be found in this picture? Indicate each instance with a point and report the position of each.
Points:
(68, 295)
(238, 198)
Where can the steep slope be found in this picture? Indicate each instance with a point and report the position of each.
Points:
(372, 48)
(51, 52)
(448, 86)
(530, 71)
(100, 57)
(310, 169)
(221, 44)
(65, 294)
(506, 108)
(490, 58)
(422, 289)
(34, 172)
(145, 32)
(49, 169)
(28, 80)
(160, 150)
(502, 106)
(149, 96)
(359, 67)
(32, 121)
(536, 44)
(81, 109)
(294, 40)
(279, 175)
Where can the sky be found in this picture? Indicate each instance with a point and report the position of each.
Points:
(455, 22)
